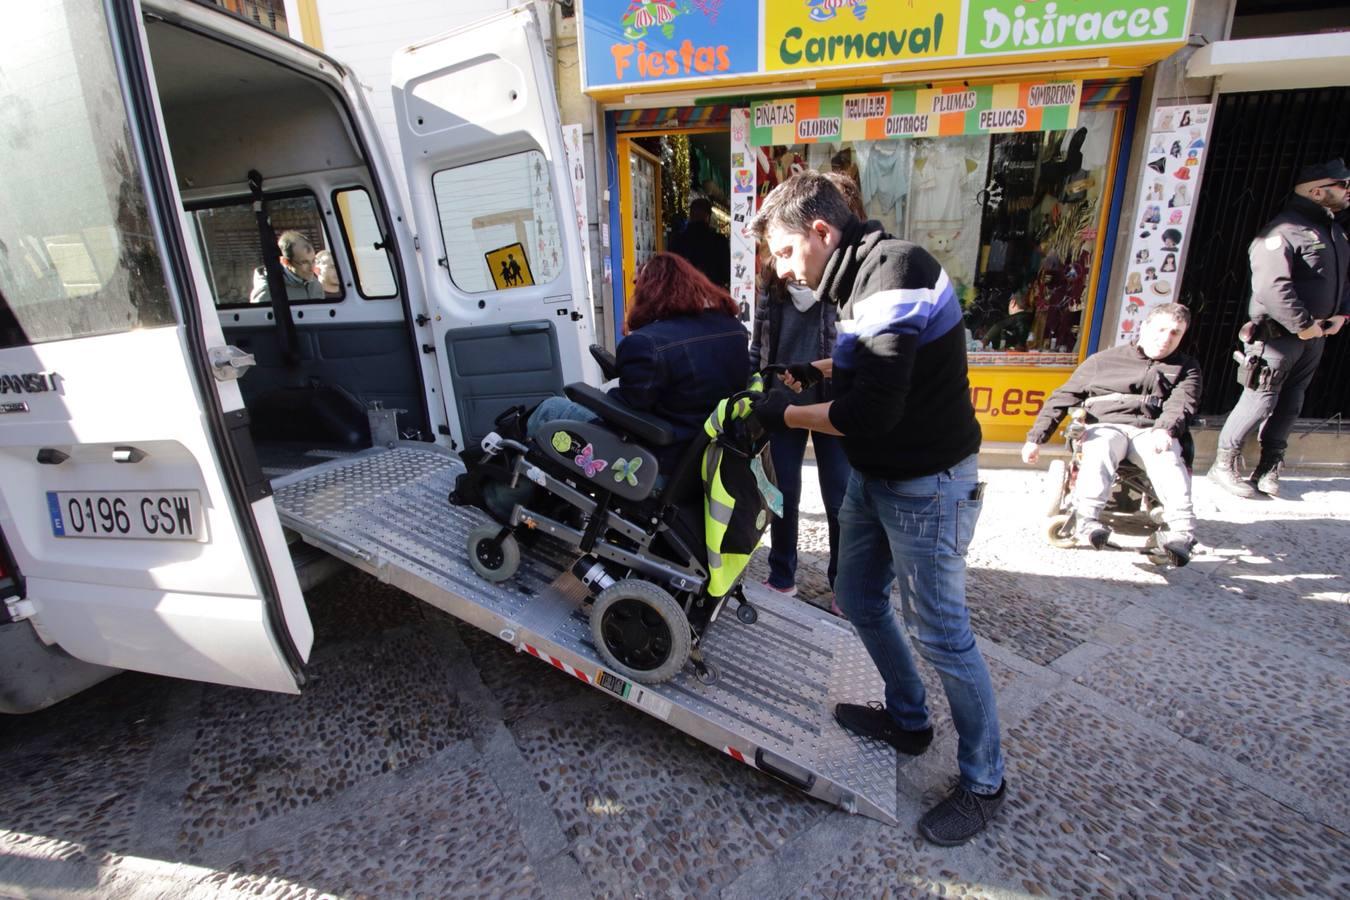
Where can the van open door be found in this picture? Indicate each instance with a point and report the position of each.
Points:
(487, 178)
(147, 537)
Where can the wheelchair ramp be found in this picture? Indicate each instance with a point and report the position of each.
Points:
(385, 512)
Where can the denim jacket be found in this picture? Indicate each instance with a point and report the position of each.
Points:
(679, 369)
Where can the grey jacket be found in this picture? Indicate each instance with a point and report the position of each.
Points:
(772, 305)
(296, 287)
(1299, 267)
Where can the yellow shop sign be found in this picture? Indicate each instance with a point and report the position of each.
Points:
(811, 34)
(1008, 399)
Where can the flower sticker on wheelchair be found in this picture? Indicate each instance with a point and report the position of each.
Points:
(626, 470)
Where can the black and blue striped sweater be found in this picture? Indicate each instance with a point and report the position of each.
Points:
(901, 395)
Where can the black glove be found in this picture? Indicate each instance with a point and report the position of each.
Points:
(805, 374)
(768, 410)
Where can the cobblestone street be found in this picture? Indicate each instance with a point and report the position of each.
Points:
(1169, 733)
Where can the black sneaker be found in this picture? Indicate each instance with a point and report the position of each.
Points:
(961, 816)
(1092, 532)
(1178, 545)
(873, 721)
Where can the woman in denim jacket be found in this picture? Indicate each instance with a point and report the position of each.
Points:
(685, 350)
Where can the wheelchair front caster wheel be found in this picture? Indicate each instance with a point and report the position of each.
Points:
(707, 673)
(494, 557)
(1059, 531)
(640, 632)
(747, 614)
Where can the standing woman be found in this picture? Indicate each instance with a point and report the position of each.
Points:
(792, 325)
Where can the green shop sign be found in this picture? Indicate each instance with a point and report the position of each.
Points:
(996, 27)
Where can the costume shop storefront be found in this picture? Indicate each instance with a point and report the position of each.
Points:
(994, 133)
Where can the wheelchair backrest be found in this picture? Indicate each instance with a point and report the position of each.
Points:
(600, 456)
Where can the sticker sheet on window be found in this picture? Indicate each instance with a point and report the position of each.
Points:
(486, 206)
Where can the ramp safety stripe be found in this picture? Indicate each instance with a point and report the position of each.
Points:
(557, 663)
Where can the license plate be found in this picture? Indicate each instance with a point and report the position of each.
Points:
(154, 515)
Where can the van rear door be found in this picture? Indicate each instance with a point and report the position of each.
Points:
(491, 196)
(147, 537)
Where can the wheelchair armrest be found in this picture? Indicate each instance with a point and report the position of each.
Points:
(646, 428)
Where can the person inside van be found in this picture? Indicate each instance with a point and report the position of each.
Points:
(297, 267)
(325, 269)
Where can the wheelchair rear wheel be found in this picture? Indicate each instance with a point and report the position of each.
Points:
(640, 631)
(1058, 531)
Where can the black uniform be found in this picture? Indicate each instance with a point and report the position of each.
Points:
(1299, 277)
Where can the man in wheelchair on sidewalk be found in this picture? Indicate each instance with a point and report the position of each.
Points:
(1135, 404)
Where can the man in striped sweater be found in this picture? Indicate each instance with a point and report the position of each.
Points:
(901, 400)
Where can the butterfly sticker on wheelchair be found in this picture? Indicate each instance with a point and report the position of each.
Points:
(587, 462)
(626, 470)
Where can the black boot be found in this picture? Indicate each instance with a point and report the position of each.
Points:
(1266, 475)
(1226, 472)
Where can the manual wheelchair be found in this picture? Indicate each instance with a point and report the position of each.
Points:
(1132, 507)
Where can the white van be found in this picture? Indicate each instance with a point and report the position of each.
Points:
(129, 256)
(188, 430)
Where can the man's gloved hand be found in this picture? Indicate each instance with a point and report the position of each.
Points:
(803, 376)
(769, 410)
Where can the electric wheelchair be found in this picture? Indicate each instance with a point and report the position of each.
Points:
(597, 487)
(1132, 507)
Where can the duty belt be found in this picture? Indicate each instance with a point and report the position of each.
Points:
(1263, 330)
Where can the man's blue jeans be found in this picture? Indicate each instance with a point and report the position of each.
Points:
(918, 530)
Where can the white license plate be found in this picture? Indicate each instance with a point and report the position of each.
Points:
(154, 515)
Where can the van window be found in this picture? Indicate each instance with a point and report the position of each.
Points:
(228, 235)
(370, 259)
(77, 249)
(499, 223)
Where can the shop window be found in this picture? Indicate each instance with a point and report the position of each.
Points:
(370, 258)
(493, 210)
(228, 236)
(1013, 218)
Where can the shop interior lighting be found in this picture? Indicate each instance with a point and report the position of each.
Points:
(690, 98)
(939, 76)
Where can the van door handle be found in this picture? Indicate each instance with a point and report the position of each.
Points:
(529, 327)
(229, 363)
(50, 456)
(128, 454)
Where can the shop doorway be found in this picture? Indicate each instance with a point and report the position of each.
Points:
(662, 174)
(1259, 142)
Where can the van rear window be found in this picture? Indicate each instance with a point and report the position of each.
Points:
(78, 255)
(227, 232)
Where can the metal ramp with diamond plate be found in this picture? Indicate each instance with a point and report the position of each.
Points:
(385, 512)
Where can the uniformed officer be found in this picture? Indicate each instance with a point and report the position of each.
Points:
(1300, 295)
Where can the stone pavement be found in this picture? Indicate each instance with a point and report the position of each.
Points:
(1169, 733)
